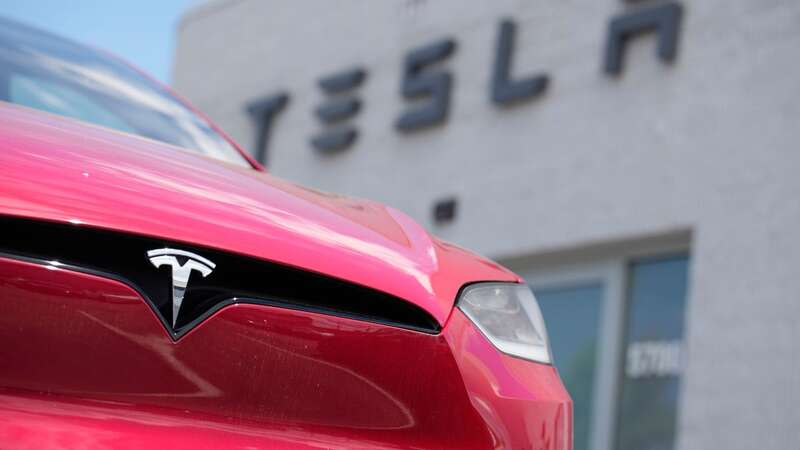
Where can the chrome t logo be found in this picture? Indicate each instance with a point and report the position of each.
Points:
(180, 273)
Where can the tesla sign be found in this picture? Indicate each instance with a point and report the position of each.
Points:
(430, 88)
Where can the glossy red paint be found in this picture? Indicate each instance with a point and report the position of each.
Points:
(524, 404)
(87, 364)
(66, 171)
(91, 365)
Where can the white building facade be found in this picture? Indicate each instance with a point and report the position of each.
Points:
(636, 161)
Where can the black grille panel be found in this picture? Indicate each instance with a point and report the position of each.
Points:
(236, 278)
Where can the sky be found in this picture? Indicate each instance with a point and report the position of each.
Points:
(140, 31)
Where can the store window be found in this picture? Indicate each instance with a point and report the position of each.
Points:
(616, 328)
(653, 356)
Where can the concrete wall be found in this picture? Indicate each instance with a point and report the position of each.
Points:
(708, 144)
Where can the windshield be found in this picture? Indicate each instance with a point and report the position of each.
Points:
(43, 71)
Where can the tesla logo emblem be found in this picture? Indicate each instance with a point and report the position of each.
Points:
(180, 272)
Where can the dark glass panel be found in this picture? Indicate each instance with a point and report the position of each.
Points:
(653, 347)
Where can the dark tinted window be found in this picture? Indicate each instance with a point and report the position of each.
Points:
(654, 343)
(43, 71)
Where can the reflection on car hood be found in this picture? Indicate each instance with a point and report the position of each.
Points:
(66, 171)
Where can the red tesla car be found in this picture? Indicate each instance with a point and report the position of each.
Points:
(159, 289)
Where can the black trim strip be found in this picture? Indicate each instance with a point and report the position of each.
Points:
(236, 279)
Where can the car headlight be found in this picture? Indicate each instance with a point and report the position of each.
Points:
(509, 316)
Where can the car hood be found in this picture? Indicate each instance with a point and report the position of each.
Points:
(66, 171)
